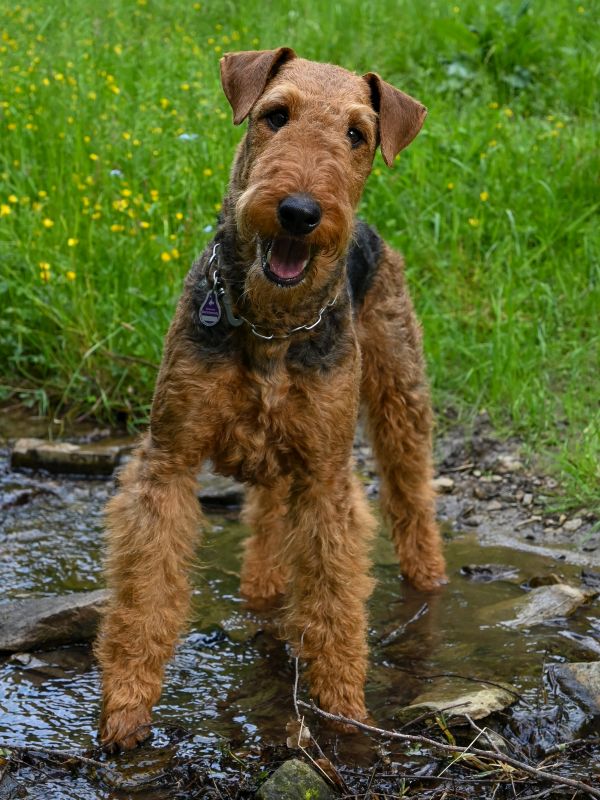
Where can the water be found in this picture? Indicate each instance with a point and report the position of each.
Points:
(228, 692)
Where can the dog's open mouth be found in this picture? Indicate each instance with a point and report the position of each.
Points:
(284, 260)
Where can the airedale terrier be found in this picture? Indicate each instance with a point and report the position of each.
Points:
(294, 314)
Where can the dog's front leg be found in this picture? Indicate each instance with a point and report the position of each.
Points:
(330, 528)
(153, 523)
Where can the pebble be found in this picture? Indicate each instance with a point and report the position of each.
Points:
(443, 484)
(527, 499)
(494, 505)
(573, 524)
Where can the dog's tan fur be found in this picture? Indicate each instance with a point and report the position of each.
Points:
(281, 414)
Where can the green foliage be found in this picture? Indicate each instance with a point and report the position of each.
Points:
(116, 146)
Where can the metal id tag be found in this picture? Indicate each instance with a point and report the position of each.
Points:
(210, 310)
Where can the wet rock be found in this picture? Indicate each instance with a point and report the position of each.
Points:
(294, 780)
(544, 580)
(443, 484)
(215, 490)
(580, 681)
(66, 457)
(538, 606)
(46, 622)
(485, 573)
(455, 698)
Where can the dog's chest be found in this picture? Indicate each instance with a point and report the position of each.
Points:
(257, 441)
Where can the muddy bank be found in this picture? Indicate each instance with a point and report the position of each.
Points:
(221, 723)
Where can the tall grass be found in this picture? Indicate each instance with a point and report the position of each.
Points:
(115, 145)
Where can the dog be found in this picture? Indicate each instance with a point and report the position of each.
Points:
(294, 316)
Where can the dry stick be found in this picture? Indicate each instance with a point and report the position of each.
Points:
(405, 737)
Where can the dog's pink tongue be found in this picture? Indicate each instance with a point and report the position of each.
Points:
(288, 257)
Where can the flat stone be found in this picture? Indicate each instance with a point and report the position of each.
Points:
(455, 698)
(45, 622)
(494, 505)
(294, 780)
(66, 457)
(216, 490)
(580, 680)
(538, 606)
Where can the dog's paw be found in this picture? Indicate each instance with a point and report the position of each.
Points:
(125, 729)
(428, 583)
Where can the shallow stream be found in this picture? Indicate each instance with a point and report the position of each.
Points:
(228, 692)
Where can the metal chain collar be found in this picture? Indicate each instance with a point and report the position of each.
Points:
(219, 288)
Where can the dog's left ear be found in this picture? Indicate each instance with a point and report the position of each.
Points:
(245, 75)
(401, 117)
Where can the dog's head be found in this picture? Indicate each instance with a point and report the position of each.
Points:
(312, 136)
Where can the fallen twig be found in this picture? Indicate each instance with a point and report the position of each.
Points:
(454, 749)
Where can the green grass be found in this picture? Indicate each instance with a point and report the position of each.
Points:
(495, 205)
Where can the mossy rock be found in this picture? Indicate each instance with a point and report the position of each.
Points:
(294, 780)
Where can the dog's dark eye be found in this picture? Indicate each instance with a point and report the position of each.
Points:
(355, 137)
(277, 119)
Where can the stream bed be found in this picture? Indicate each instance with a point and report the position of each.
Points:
(220, 725)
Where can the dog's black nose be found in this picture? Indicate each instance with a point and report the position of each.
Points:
(299, 214)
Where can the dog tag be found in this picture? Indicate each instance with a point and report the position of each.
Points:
(210, 310)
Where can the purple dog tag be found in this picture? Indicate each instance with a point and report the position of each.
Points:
(210, 310)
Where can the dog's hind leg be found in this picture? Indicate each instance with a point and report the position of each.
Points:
(264, 573)
(395, 395)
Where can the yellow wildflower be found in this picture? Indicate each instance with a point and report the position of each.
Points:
(117, 228)
(493, 105)
(71, 242)
(154, 194)
(508, 112)
(126, 135)
(450, 186)
(71, 275)
(165, 257)
(5, 210)
(42, 194)
(47, 223)
(185, 87)
(473, 222)
(12, 198)
(93, 157)
(207, 172)
(175, 253)
(179, 215)
(484, 197)
(144, 224)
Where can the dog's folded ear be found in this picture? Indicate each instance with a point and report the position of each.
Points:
(245, 75)
(401, 117)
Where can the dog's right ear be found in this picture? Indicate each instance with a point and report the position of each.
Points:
(245, 75)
